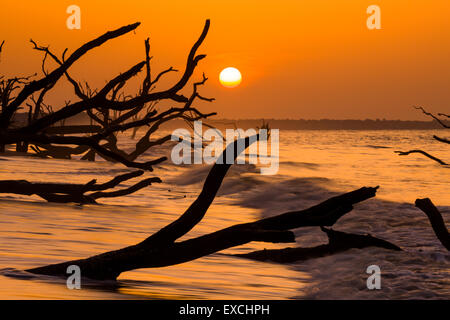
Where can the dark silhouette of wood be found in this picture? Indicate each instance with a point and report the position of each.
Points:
(162, 248)
(426, 154)
(443, 140)
(433, 214)
(73, 129)
(338, 241)
(44, 150)
(79, 193)
(83, 141)
(100, 100)
(436, 220)
(111, 112)
(54, 76)
(440, 139)
(109, 107)
(434, 117)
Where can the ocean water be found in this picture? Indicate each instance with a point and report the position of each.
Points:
(314, 165)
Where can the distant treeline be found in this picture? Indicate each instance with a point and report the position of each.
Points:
(329, 124)
(288, 124)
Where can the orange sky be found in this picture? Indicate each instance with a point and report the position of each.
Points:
(299, 58)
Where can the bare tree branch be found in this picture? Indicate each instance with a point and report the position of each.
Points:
(86, 141)
(433, 116)
(405, 153)
(443, 140)
(58, 72)
(99, 100)
(123, 192)
(1, 46)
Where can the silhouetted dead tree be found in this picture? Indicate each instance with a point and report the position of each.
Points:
(107, 100)
(110, 109)
(426, 205)
(162, 248)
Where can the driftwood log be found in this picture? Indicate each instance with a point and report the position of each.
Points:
(436, 220)
(162, 248)
(78, 193)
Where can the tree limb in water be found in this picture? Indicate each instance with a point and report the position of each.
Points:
(426, 154)
(433, 214)
(78, 193)
(436, 220)
(443, 140)
(444, 115)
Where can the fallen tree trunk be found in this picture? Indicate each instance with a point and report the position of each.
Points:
(337, 242)
(149, 254)
(436, 220)
(78, 193)
(161, 249)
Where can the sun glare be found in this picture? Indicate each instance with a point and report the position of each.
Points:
(230, 77)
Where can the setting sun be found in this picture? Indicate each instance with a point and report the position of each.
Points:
(230, 77)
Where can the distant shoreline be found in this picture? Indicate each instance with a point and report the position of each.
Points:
(289, 124)
(330, 124)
